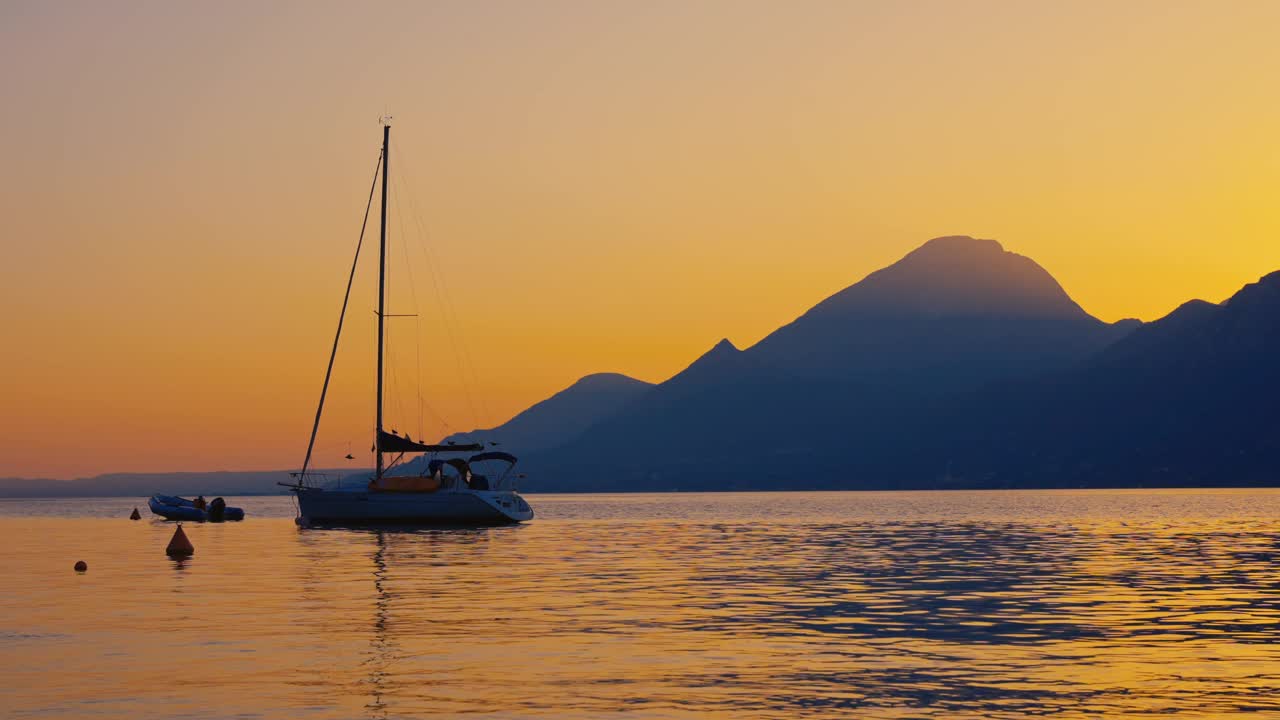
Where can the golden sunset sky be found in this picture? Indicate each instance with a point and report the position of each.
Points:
(589, 186)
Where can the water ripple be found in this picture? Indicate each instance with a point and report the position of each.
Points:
(892, 605)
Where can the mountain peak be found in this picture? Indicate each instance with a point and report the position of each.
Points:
(959, 244)
(721, 361)
(722, 351)
(724, 346)
(957, 275)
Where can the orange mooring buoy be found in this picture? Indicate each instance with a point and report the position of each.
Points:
(179, 546)
(134, 515)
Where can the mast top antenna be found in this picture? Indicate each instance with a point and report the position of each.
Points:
(385, 120)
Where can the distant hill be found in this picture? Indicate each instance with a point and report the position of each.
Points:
(546, 424)
(563, 416)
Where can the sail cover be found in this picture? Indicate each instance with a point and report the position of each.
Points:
(389, 443)
(493, 455)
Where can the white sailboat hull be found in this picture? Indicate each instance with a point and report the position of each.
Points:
(446, 507)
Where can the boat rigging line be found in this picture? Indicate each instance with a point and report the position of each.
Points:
(467, 375)
(328, 373)
(417, 335)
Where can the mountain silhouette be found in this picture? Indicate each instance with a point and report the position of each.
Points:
(1201, 336)
(952, 314)
(1186, 400)
(724, 361)
(563, 416)
(960, 366)
(951, 317)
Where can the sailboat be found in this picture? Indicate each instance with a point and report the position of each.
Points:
(441, 487)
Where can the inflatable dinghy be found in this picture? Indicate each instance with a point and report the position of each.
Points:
(176, 508)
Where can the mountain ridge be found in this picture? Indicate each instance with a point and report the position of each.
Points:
(865, 427)
(888, 384)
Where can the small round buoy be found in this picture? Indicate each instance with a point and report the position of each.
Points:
(81, 566)
(134, 515)
(179, 545)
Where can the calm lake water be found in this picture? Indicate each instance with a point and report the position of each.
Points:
(871, 605)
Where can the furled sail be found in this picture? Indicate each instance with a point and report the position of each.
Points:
(389, 443)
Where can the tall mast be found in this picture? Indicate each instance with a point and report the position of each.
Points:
(382, 282)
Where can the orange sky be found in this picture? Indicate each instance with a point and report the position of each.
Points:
(602, 186)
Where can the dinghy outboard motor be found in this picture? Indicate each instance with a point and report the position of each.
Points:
(217, 510)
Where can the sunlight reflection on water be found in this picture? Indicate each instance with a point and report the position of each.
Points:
(942, 604)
